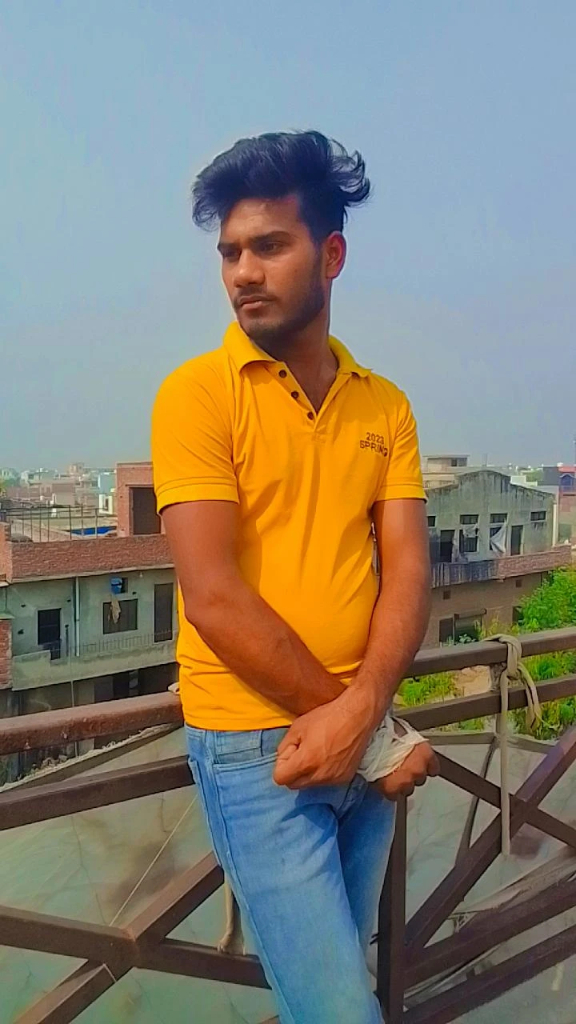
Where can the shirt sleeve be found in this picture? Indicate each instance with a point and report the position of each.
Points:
(403, 478)
(192, 440)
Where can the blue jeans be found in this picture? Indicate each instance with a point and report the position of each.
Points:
(306, 868)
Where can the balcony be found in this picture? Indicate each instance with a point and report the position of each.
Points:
(44, 666)
(447, 574)
(459, 926)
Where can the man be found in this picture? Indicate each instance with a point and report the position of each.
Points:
(275, 457)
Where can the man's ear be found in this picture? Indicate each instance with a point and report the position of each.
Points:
(334, 255)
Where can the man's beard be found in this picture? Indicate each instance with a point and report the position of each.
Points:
(273, 334)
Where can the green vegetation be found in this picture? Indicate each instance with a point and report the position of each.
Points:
(551, 606)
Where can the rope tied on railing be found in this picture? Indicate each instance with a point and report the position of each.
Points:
(512, 672)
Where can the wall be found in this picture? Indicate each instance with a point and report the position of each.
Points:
(5, 651)
(483, 493)
(496, 598)
(97, 652)
(128, 475)
(62, 558)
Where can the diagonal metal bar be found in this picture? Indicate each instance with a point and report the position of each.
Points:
(458, 882)
(490, 929)
(493, 982)
(177, 901)
(24, 806)
(481, 788)
(78, 991)
(468, 829)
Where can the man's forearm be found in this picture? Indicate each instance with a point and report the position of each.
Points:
(397, 629)
(264, 651)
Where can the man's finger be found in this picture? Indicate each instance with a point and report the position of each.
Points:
(433, 766)
(292, 738)
(289, 766)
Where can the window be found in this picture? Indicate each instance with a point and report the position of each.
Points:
(518, 582)
(499, 517)
(446, 549)
(467, 629)
(468, 545)
(119, 584)
(126, 620)
(468, 520)
(163, 605)
(538, 517)
(49, 632)
(445, 630)
(431, 521)
(446, 594)
(516, 538)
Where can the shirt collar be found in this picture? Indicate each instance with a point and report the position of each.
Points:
(243, 351)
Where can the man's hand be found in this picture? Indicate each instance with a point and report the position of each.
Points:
(324, 747)
(420, 764)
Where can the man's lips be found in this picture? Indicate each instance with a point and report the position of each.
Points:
(252, 300)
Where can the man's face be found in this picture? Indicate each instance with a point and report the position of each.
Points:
(277, 278)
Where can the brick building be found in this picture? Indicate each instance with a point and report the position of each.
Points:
(84, 620)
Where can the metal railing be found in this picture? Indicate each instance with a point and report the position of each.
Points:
(407, 959)
(446, 574)
(61, 650)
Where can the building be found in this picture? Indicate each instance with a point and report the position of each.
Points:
(563, 477)
(135, 500)
(84, 620)
(491, 543)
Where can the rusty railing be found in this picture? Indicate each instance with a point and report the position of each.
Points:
(407, 959)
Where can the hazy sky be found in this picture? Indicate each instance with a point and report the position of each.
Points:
(461, 282)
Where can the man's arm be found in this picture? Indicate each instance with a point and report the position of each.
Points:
(327, 745)
(239, 626)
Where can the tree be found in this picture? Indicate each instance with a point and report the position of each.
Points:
(552, 605)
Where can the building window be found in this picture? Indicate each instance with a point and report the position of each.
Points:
(119, 616)
(49, 632)
(467, 629)
(446, 631)
(518, 582)
(446, 594)
(468, 544)
(516, 540)
(119, 584)
(431, 521)
(499, 517)
(538, 517)
(468, 520)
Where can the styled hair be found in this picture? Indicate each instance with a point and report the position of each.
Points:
(326, 179)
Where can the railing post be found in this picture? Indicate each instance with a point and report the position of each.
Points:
(391, 925)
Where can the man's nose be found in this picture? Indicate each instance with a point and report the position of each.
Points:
(248, 271)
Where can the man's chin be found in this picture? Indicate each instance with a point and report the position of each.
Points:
(259, 329)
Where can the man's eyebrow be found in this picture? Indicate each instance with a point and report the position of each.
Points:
(269, 236)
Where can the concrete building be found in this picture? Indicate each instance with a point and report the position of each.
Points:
(491, 543)
(563, 477)
(84, 620)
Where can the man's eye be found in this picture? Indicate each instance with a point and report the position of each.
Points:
(270, 247)
(231, 256)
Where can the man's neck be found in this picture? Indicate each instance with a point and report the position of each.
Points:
(310, 359)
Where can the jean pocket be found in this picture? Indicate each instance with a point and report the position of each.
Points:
(241, 749)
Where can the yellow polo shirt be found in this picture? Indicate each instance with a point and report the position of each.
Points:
(234, 425)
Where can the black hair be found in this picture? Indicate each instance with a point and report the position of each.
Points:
(325, 177)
